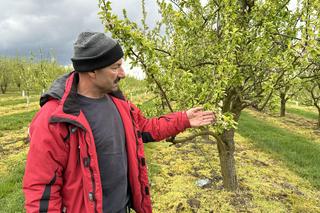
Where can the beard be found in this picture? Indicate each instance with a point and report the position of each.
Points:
(116, 85)
(117, 80)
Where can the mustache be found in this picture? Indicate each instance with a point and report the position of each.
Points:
(117, 80)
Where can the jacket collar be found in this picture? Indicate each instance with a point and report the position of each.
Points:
(69, 99)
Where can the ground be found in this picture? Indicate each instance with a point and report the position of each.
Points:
(277, 162)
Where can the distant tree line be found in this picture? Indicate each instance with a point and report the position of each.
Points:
(28, 74)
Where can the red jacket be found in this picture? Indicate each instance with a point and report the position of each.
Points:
(62, 172)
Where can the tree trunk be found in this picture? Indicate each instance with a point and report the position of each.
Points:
(226, 150)
(3, 88)
(205, 137)
(28, 98)
(283, 104)
(318, 124)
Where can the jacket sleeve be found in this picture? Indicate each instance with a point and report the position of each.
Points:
(43, 180)
(156, 129)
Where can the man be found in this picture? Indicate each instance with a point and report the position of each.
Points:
(86, 150)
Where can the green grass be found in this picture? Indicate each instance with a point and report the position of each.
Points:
(150, 148)
(18, 100)
(303, 113)
(298, 153)
(11, 195)
(16, 121)
(13, 97)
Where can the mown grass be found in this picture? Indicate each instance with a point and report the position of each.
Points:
(17, 100)
(13, 96)
(11, 195)
(16, 121)
(298, 153)
(302, 112)
(14, 118)
(153, 168)
(265, 184)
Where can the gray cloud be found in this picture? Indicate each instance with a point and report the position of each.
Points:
(31, 25)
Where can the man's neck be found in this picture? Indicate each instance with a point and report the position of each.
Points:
(85, 89)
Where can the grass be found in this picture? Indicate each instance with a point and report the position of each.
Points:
(16, 121)
(312, 115)
(300, 154)
(150, 149)
(16, 101)
(14, 118)
(13, 97)
(11, 196)
(277, 166)
(174, 187)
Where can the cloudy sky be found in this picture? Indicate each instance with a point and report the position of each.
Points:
(31, 25)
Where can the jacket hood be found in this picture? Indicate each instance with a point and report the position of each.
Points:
(58, 88)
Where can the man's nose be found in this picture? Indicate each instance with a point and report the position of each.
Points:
(121, 73)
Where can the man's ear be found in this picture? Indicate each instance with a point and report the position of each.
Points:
(92, 74)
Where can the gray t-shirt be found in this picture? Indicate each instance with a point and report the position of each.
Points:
(109, 137)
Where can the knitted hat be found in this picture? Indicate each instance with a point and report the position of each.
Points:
(94, 50)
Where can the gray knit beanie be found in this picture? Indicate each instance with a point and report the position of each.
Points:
(94, 50)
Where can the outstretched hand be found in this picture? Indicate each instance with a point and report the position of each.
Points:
(197, 117)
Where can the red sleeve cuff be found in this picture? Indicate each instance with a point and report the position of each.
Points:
(186, 121)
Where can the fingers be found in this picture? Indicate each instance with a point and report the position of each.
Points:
(209, 119)
(203, 122)
(194, 112)
(197, 109)
(206, 122)
(198, 117)
(207, 113)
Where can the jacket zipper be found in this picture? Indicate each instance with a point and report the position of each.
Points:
(137, 143)
(92, 177)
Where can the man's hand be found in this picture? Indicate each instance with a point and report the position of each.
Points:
(197, 117)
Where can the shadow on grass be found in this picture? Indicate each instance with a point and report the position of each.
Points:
(298, 153)
(303, 113)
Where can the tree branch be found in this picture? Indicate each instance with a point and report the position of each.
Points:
(163, 51)
(207, 132)
(180, 8)
(266, 101)
(204, 63)
(154, 79)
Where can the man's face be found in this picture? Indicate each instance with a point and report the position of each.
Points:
(107, 78)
